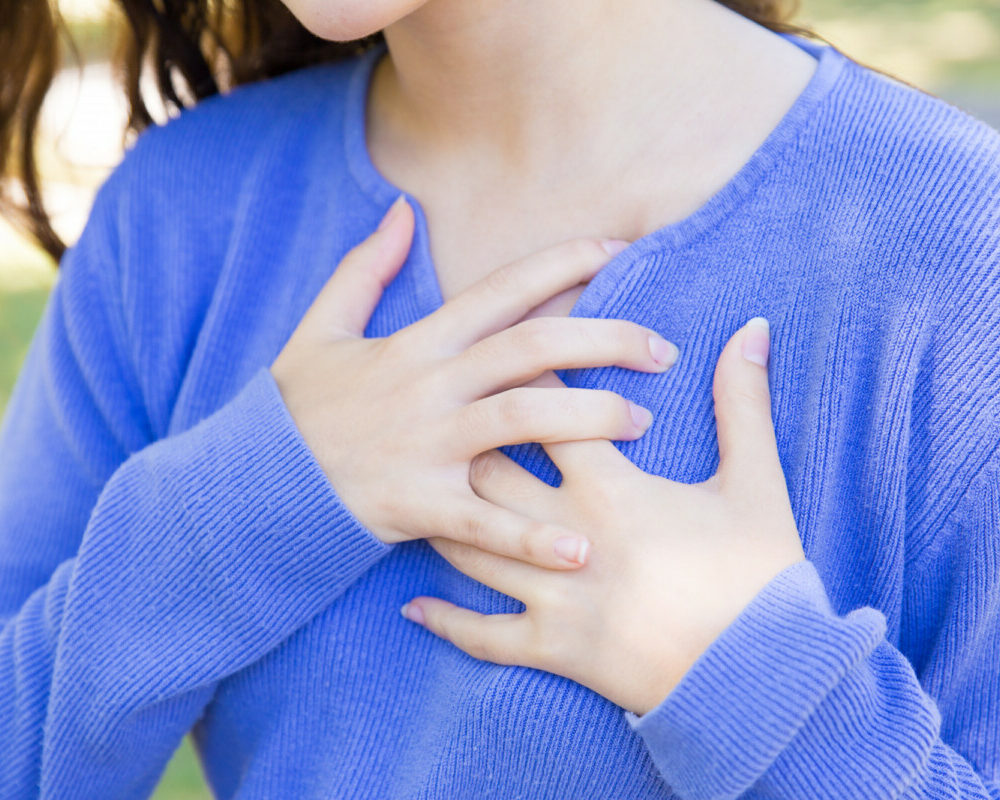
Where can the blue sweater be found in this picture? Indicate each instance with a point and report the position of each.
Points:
(172, 556)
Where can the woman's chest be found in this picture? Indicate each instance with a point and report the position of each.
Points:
(391, 711)
(842, 374)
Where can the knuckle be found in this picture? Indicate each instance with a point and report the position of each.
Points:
(534, 335)
(482, 353)
(433, 385)
(396, 347)
(566, 402)
(606, 494)
(476, 531)
(532, 539)
(514, 408)
(483, 467)
(549, 596)
(502, 280)
(469, 421)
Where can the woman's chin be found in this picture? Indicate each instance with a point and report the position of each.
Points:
(346, 20)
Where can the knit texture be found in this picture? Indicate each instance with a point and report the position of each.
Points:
(172, 556)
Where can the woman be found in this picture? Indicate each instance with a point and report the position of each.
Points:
(224, 471)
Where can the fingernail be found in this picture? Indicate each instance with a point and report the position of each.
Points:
(614, 246)
(664, 353)
(413, 613)
(757, 341)
(572, 549)
(390, 215)
(642, 417)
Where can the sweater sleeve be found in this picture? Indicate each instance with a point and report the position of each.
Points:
(135, 575)
(795, 701)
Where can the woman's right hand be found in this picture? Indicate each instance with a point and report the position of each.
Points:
(395, 422)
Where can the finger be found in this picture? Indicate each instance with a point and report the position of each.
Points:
(559, 305)
(500, 638)
(508, 293)
(522, 352)
(747, 448)
(547, 380)
(503, 482)
(510, 576)
(498, 530)
(548, 415)
(347, 300)
(584, 459)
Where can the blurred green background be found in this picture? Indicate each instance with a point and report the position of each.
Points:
(949, 47)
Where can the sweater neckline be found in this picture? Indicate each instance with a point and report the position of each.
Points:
(726, 201)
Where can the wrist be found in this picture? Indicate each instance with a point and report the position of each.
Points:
(719, 612)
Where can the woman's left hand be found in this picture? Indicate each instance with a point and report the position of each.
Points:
(671, 564)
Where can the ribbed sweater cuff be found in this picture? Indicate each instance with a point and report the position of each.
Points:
(753, 689)
(289, 483)
(265, 539)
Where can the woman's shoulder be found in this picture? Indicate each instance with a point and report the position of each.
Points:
(175, 217)
(189, 177)
(191, 172)
(903, 198)
(905, 188)
(215, 138)
(908, 155)
(880, 112)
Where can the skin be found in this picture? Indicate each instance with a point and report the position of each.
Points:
(671, 566)
(409, 443)
(489, 94)
(397, 431)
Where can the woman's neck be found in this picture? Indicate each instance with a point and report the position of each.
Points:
(506, 84)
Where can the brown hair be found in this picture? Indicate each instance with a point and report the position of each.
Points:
(194, 49)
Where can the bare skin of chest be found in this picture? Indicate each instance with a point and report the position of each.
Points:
(482, 212)
(465, 247)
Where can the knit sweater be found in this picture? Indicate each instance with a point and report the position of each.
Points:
(173, 558)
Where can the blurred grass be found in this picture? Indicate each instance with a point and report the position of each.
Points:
(939, 45)
(183, 780)
(19, 313)
(950, 48)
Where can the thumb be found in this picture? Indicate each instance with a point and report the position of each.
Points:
(349, 297)
(747, 447)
